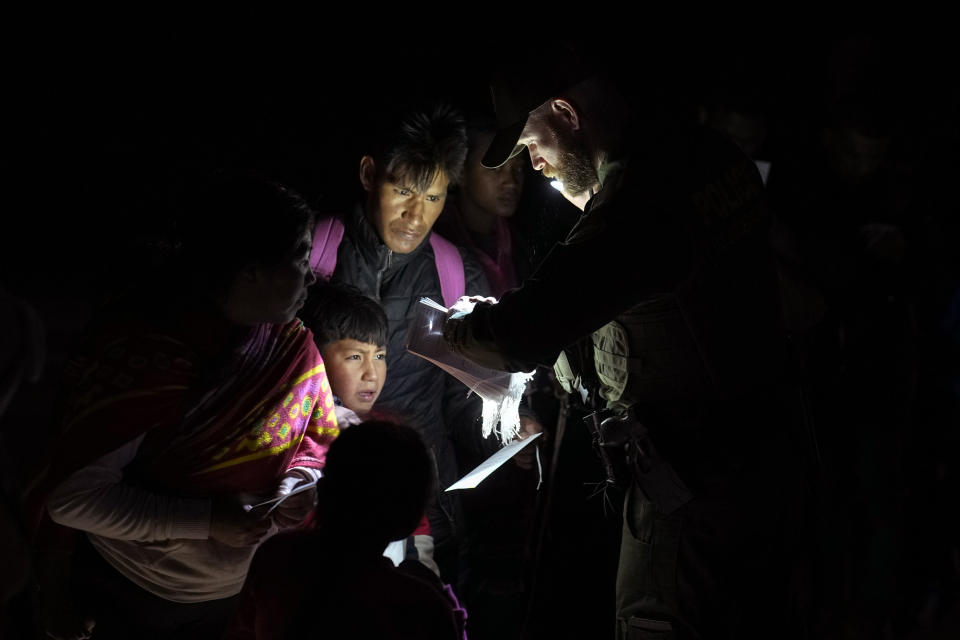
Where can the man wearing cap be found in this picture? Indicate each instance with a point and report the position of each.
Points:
(661, 309)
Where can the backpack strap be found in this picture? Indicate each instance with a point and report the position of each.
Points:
(449, 268)
(328, 233)
(326, 240)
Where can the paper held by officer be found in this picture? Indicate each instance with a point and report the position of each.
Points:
(500, 391)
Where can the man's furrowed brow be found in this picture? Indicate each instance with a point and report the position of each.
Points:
(414, 178)
(401, 182)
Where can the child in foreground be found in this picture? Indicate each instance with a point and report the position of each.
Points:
(333, 581)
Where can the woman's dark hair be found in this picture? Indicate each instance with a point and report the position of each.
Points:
(337, 312)
(228, 220)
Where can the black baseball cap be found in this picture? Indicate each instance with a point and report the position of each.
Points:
(520, 85)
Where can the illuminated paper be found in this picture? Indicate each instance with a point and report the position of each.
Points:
(491, 464)
(426, 340)
(500, 391)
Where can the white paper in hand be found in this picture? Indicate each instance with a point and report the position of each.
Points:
(491, 464)
(267, 507)
(500, 391)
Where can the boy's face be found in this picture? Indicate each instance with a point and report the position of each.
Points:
(356, 371)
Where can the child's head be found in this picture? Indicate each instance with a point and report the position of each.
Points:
(350, 330)
(377, 481)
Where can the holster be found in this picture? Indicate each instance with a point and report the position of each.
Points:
(610, 454)
(627, 453)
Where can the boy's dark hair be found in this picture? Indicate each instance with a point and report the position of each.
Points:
(413, 145)
(337, 312)
(379, 476)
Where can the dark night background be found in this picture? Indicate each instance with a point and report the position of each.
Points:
(100, 130)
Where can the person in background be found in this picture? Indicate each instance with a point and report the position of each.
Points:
(480, 215)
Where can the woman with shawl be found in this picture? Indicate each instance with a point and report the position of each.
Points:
(198, 399)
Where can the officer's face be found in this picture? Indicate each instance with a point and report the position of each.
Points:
(557, 149)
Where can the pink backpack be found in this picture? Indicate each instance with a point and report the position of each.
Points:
(329, 232)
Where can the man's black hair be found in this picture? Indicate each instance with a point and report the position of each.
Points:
(338, 312)
(411, 146)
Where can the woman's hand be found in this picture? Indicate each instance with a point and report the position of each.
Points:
(294, 510)
(233, 526)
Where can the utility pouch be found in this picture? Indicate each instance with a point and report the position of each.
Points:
(655, 476)
(645, 629)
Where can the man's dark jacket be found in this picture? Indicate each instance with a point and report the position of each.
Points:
(416, 391)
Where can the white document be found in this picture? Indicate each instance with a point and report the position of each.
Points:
(425, 339)
(491, 464)
(273, 503)
(500, 391)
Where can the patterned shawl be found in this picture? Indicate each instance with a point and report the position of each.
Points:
(224, 410)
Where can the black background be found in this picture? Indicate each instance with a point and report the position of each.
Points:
(104, 115)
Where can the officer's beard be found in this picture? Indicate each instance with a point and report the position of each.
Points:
(574, 167)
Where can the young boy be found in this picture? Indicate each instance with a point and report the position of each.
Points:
(350, 330)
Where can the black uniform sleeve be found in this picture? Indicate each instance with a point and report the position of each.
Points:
(616, 255)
